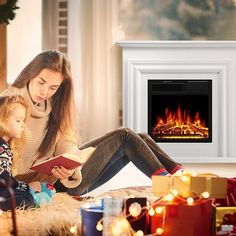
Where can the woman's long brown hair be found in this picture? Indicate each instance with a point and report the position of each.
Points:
(60, 117)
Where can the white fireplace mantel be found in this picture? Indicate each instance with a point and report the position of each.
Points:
(213, 60)
(177, 44)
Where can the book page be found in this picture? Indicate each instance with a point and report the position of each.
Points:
(80, 156)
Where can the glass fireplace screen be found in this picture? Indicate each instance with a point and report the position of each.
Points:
(180, 110)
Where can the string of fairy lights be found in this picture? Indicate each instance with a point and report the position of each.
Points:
(158, 207)
(121, 224)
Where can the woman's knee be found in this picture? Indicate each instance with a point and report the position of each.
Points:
(144, 135)
(125, 130)
(119, 131)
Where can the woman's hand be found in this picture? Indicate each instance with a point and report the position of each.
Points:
(36, 186)
(61, 172)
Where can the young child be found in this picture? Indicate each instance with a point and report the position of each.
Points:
(13, 111)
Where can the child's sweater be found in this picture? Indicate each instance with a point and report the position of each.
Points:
(6, 157)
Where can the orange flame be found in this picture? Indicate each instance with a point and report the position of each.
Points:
(180, 124)
(180, 117)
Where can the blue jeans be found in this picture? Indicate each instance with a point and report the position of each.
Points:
(115, 150)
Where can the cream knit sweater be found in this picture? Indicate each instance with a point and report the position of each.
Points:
(35, 131)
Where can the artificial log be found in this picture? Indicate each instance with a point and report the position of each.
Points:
(172, 129)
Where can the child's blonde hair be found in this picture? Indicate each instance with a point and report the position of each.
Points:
(7, 105)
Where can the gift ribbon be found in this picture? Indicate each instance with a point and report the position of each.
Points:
(208, 184)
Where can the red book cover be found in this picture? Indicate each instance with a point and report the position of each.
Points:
(67, 160)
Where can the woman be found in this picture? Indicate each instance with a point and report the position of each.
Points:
(46, 84)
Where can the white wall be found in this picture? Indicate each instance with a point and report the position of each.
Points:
(24, 37)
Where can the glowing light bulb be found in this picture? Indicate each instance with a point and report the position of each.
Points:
(98, 201)
(139, 233)
(174, 192)
(87, 205)
(159, 231)
(120, 226)
(188, 173)
(73, 229)
(99, 226)
(159, 210)
(194, 173)
(125, 223)
(135, 209)
(184, 178)
(178, 173)
(169, 197)
(190, 200)
(151, 211)
(116, 230)
(205, 195)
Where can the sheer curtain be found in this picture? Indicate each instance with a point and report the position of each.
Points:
(96, 65)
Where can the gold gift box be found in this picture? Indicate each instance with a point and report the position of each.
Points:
(188, 185)
(221, 212)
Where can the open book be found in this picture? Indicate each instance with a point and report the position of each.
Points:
(67, 160)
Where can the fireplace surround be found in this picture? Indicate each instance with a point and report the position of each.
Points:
(152, 62)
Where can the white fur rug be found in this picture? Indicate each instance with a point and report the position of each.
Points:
(61, 217)
(56, 218)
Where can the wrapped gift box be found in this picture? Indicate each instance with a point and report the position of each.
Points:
(215, 186)
(225, 216)
(90, 217)
(110, 210)
(141, 222)
(230, 199)
(185, 220)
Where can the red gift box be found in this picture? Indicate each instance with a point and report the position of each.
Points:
(230, 199)
(185, 220)
(226, 221)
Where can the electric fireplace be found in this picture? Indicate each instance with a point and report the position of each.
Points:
(182, 93)
(180, 110)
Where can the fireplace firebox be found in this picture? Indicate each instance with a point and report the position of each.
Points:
(180, 110)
